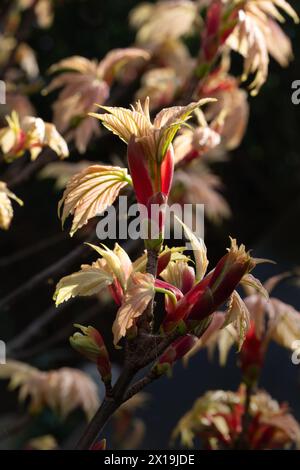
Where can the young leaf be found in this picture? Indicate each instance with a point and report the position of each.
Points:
(90, 192)
(140, 292)
(89, 280)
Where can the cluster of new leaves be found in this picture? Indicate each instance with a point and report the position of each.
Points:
(168, 73)
(270, 320)
(62, 390)
(84, 84)
(216, 418)
(191, 295)
(30, 134)
(248, 27)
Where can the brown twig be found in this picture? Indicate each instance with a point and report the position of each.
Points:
(140, 385)
(133, 363)
(106, 410)
(121, 391)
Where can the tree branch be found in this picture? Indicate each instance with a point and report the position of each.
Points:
(60, 335)
(132, 365)
(46, 156)
(120, 392)
(106, 410)
(54, 269)
(35, 327)
(140, 385)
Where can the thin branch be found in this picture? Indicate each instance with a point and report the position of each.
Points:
(32, 249)
(112, 403)
(60, 335)
(56, 268)
(140, 385)
(106, 410)
(151, 268)
(35, 328)
(152, 258)
(53, 270)
(48, 316)
(46, 156)
(155, 352)
(120, 392)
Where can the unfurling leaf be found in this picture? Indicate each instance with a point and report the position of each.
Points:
(91, 192)
(117, 261)
(199, 250)
(114, 268)
(179, 274)
(150, 155)
(110, 67)
(156, 137)
(239, 316)
(250, 281)
(212, 291)
(140, 292)
(256, 35)
(163, 20)
(284, 322)
(90, 344)
(89, 280)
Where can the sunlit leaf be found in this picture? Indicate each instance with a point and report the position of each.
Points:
(91, 192)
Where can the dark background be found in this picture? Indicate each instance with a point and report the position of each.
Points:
(261, 184)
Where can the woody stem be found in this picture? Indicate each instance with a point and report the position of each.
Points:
(151, 267)
(118, 393)
(106, 410)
